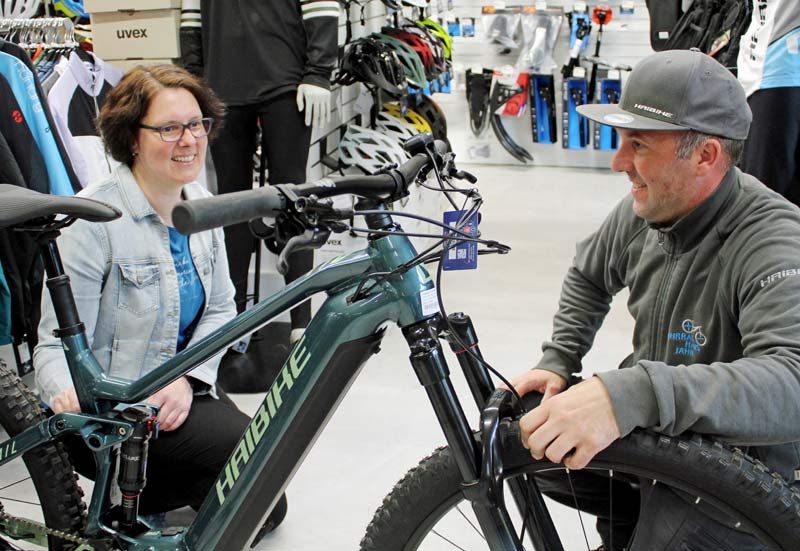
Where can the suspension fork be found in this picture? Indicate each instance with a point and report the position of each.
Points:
(463, 340)
(428, 361)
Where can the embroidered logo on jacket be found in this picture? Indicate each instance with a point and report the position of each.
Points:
(689, 340)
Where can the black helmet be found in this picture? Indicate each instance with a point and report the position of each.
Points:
(432, 113)
(371, 61)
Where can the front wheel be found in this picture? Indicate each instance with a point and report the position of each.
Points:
(427, 511)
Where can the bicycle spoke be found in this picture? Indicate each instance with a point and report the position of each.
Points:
(20, 501)
(611, 510)
(14, 483)
(577, 508)
(448, 541)
(477, 530)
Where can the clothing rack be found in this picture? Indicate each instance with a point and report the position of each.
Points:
(49, 32)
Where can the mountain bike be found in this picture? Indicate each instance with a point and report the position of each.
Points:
(485, 474)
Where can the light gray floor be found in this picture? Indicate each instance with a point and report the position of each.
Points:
(385, 426)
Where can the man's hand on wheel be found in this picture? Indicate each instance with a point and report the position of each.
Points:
(542, 381)
(571, 426)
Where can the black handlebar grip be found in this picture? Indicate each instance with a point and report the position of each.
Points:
(223, 210)
(412, 167)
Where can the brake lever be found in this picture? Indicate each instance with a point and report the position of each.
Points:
(464, 175)
(312, 238)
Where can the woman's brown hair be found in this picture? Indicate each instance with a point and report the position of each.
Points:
(127, 103)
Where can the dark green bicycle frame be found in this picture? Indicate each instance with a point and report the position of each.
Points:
(312, 382)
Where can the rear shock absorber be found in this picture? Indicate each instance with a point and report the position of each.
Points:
(133, 462)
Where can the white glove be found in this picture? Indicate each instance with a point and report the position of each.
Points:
(317, 104)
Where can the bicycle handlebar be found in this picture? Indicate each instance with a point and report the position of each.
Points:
(241, 206)
(212, 212)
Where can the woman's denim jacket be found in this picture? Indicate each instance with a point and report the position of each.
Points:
(126, 289)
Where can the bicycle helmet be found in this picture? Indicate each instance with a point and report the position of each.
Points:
(374, 63)
(439, 32)
(433, 43)
(369, 150)
(412, 64)
(411, 117)
(70, 8)
(19, 9)
(422, 49)
(429, 109)
(397, 129)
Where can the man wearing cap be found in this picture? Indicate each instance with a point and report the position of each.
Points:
(711, 259)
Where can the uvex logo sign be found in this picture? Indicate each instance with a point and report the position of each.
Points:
(131, 33)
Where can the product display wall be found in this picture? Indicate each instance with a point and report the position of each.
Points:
(625, 40)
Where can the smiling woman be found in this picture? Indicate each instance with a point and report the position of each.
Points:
(146, 292)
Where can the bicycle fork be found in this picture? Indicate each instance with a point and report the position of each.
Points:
(480, 466)
(494, 405)
(429, 364)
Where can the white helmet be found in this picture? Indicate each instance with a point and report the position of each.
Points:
(397, 129)
(369, 150)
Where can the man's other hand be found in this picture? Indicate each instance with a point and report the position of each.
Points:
(542, 381)
(572, 426)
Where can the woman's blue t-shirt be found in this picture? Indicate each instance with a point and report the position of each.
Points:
(189, 285)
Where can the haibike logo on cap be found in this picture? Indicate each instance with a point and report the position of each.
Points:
(616, 118)
(654, 110)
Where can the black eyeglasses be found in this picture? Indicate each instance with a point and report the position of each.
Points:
(174, 132)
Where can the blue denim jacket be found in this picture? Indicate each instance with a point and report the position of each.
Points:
(126, 289)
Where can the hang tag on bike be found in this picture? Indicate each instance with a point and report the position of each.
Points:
(22, 357)
(461, 256)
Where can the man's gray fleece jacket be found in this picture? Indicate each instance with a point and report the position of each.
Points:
(716, 304)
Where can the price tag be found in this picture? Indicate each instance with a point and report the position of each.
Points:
(22, 356)
(626, 8)
(364, 101)
(461, 256)
(429, 302)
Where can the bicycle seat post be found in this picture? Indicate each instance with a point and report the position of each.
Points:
(66, 311)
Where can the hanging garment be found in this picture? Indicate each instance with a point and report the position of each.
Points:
(33, 157)
(31, 114)
(75, 101)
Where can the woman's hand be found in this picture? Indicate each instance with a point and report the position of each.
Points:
(66, 401)
(175, 400)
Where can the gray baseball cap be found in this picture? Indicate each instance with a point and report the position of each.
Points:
(678, 90)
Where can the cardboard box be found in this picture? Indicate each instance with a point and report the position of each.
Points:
(127, 64)
(97, 6)
(148, 34)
